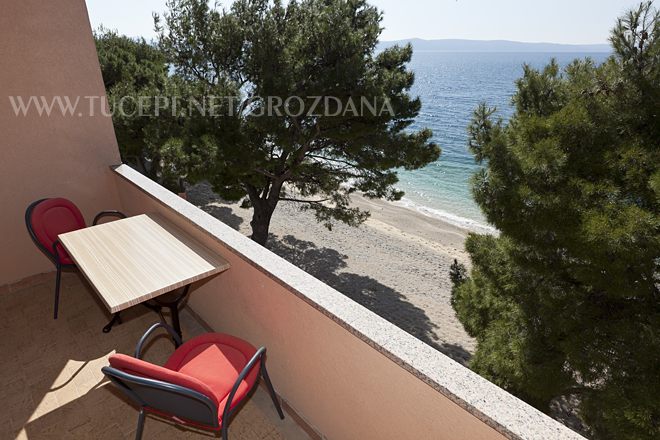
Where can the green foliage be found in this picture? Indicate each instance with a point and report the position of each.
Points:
(312, 48)
(136, 78)
(566, 300)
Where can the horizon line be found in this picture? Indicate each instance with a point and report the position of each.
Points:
(492, 41)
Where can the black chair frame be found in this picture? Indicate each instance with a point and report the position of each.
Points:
(53, 255)
(177, 399)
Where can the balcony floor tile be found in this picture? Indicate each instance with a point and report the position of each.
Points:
(51, 383)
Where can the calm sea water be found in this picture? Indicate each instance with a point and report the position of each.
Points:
(451, 85)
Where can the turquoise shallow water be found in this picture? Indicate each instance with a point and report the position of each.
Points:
(451, 85)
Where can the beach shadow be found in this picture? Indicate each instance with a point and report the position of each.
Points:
(224, 214)
(326, 264)
(202, 196)
(454, 351)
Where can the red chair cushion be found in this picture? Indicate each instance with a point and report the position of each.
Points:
(52, 217)
(216, 360)
(138, 367)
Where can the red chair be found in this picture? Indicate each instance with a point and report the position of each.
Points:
(209, 373)
(45, 220)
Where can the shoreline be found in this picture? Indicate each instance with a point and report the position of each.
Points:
(459, 221)
(396, 264)
(410, 222)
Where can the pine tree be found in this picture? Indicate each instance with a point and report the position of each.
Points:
(566, 300)
(323, 52)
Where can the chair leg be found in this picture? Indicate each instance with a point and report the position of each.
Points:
(140, 425)
(271, 390)
(58, 278)
(224, 430)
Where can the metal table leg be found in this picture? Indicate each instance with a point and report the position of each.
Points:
(172, 305)
(116, 319)
(174, 310)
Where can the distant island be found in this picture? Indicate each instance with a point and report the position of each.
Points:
(454, 45)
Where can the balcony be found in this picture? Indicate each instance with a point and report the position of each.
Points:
(341, 371)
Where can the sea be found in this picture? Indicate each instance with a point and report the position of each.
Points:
(451, 85)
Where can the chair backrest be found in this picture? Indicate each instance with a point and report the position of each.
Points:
(47, 218)
(164, 391)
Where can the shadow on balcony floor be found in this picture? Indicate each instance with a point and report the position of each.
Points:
(50, 376)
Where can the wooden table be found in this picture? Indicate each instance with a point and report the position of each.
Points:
(136, 259)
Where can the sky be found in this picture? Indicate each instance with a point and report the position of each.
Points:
(552, 21)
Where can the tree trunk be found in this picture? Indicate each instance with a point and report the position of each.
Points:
(262, 213)
(264, 201)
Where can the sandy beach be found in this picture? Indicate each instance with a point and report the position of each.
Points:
(396, 263)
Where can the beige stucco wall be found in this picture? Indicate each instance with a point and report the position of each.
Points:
(338, 383)
(47, 49)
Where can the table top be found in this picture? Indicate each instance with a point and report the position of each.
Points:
(131, 260)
